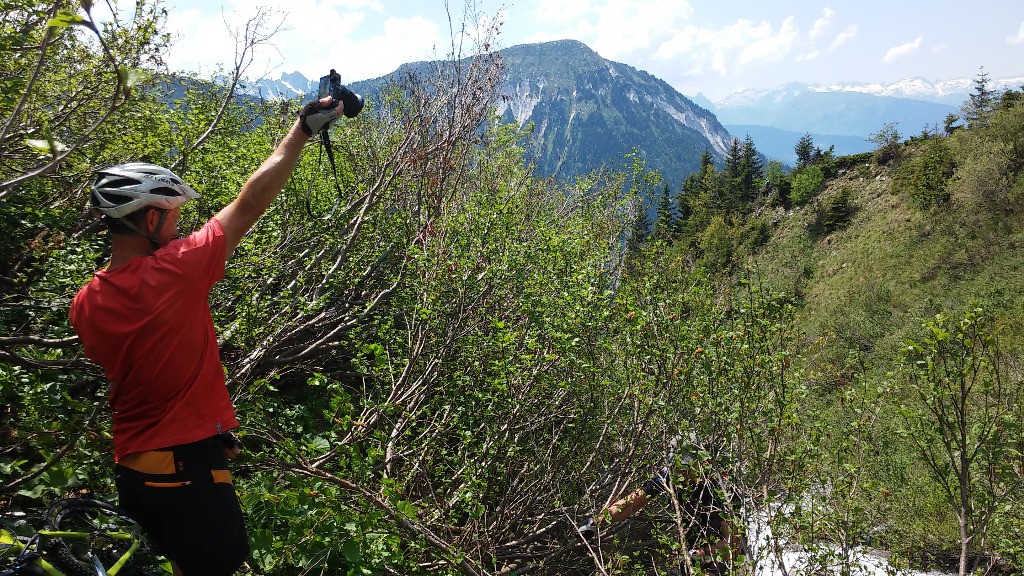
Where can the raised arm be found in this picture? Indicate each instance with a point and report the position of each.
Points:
(269, 179)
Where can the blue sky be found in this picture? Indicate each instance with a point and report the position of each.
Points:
(709, 46)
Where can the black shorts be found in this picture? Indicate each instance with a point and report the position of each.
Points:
(184, 499)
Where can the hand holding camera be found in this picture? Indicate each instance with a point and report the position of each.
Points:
(316, 117)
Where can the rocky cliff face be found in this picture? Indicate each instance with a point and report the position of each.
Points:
(587, 111)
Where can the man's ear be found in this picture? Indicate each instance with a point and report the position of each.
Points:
(152, 220)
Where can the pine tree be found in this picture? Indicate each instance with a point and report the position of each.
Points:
(1011, 98)
(732, 177)
(981, 103)
(698, 200)
(682, 205)
(804, 150)
(751, 170)
(707, 164)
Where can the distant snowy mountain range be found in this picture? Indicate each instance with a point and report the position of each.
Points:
(953, 92)
(842, 114)
(287, 86)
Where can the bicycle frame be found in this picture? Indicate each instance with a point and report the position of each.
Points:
(8, 539)
(11, 543)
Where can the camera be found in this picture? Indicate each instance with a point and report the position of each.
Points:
(331, 85)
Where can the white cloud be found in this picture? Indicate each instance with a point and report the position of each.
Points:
(1019, 38)
(813, 54)
(845, 36)
(902, 50)
(939, 48)
(769, 46)
(822, 24)
(736, 46)
(561, 11)
(614, 28)
(203, 41)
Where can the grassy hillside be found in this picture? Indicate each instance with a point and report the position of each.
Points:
(868, 285)
(899, 247)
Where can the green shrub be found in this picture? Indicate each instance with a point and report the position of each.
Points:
(888, 141)
(833, 214)
(754, 234)
(806, 183)
(925, 175)
(716, 244)
(853, 160)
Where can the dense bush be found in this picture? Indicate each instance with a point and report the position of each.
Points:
(925, 175)
(807, 182)
(833, 213)
(989, 161)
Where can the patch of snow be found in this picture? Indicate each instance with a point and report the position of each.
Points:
(520, 100)
(697, 122)
(797, 560)
(292, 88)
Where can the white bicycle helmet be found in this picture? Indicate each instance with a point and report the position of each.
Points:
(120, 190)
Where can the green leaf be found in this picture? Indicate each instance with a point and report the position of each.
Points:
(50, 147)
(352, 552)
(133, 76)
(63, 19)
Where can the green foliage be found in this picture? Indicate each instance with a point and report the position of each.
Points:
(981, 102)
(807, 182)
(853, 161)
(804, 150)
(43, 48)
(925, 175)
(966, 424)
(989, 180)
(833, 213)
(887, 140)
(810, 155)
(851, 497)
(716, 245)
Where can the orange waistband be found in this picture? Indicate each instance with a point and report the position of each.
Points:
(150, 462)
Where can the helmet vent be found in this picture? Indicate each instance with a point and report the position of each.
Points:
(165, 191)
(117, 199)
(121, 183)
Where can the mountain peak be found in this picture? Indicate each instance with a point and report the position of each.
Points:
(295, 79)
(554, 53)
(566, 45)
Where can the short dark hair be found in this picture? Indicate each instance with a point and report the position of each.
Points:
(138, 218)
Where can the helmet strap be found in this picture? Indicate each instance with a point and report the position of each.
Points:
(154, 239)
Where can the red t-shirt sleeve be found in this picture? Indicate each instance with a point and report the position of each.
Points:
(200, 256)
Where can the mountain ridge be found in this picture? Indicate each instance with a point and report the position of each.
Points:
(952, 91)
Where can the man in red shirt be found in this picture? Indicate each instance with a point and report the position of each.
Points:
(146, 320)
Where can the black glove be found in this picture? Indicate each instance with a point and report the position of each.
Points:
(588, 528)
(230, 441)
(657, 484)
(315, 117)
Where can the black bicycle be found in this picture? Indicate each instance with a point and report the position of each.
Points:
(81, 537)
